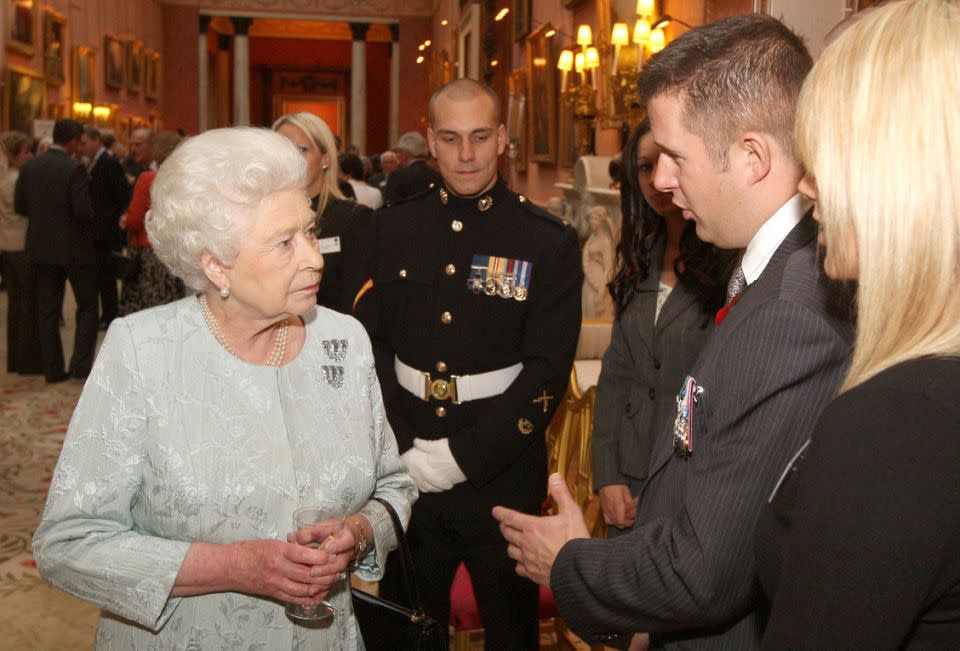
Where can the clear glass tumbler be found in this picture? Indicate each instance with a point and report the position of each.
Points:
(332, 520)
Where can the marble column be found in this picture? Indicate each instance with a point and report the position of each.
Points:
(394, 83)
(358, 87)
(222, 106)
(202, 66)
(241, 71)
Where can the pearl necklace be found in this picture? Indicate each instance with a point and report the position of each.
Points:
(279, 346)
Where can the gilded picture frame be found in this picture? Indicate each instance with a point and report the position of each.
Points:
(541, 98)
(133, 65)
(151, 74)
(21, 21)
(521, 19)
(84, 74)
(114, 66)
(517, 119)
(54, 40)
(23, 98)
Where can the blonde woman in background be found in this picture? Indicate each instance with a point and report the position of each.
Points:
(859, 547)
(342, 225)
(23, 344)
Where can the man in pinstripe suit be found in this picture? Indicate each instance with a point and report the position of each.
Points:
(721, 104)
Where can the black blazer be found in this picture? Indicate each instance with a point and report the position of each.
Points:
(344, 225)
(859, 547)
(53, 192)
(686, 571)
(110, 194)
(641, 374)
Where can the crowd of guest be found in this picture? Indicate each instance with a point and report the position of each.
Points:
(775, 437)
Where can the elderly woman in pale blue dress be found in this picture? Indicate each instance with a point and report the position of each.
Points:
(206, 422)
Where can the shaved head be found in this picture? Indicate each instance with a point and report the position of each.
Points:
(463, 89)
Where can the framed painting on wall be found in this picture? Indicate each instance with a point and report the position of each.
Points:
(54, 28)
(84, 74)
(541, 98)
(151, 74)
(516, 119)
(21, 15)
(133, 65)
(23, 96)
(468, 43)
(113, 64)
(521, 19)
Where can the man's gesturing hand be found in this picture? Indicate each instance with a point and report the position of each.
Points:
(534, 542)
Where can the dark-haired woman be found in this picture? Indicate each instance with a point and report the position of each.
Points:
(666, 290)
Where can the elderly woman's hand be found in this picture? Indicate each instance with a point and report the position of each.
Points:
(283, 570)
(343, 542)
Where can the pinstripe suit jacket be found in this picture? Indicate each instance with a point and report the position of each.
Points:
(686, 571)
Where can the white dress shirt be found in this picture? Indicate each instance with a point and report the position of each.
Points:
(366, 194)
(768, 239)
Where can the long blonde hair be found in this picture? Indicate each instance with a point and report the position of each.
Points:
(879, 128)
(318, 131)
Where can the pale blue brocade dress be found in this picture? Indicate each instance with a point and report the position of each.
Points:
(175, 440)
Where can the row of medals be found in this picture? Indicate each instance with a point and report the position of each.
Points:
(505, 287)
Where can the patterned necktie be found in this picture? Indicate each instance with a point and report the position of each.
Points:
(737, 284)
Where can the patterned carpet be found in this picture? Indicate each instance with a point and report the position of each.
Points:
(33, 420)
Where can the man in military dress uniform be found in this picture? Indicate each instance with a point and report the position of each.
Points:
(474, 310)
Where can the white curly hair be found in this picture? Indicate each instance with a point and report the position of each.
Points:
(208, 191)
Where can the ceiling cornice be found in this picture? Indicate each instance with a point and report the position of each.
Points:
(369, 10)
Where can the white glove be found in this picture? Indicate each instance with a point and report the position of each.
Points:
(432, 466)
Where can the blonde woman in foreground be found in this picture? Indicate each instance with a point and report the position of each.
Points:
(859, 547)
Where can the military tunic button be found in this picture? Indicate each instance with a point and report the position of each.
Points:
(441, 366)
(653, 393)
(657, 364)
(403, 273)
(525, 426)
(441, 412)
(446, 318)
(456, 225)
(450, 269)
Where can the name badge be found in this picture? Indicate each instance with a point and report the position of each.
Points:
(329, 244)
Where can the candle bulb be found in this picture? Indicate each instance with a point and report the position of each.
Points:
(618, 38)
(565, 65)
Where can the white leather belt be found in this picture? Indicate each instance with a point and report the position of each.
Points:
(459, 388)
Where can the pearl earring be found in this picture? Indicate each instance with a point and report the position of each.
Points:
(224, 292)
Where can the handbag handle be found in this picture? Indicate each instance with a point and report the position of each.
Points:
(409, 580)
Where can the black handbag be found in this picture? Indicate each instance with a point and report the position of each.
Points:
(126, 264)
(388, 626)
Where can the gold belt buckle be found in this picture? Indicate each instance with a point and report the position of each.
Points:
(440, 389)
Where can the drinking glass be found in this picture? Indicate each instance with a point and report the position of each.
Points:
(310, 516)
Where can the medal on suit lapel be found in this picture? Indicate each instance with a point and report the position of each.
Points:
(683, 424)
